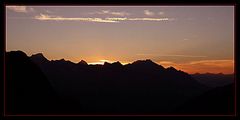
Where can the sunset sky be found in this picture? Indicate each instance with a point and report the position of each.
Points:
(190, 38)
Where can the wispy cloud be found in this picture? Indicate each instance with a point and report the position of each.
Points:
(149, 13)
(219, 63)
(161, 13)
(108, 12)
(212, 66)
(48, 11)
(117, 19)
(106, 20)
(59, 18)
(202, 66)
(140, 19)
(21, 9)
(156, 55)
(166, 63)
(150, 19)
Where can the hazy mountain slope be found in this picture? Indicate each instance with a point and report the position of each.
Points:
(219, 100)
(142, 86)
(214, 80)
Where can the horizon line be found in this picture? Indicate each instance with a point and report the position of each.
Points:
(102, 62)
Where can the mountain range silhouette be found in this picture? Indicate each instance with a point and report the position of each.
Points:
(36, 85)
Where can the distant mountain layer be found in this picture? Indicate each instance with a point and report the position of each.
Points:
(219, 100)
(214, 80)
(142, 87)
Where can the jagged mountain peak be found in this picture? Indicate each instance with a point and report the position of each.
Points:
(62, 59)
(171, 68)
(82, 62)
(117, 63)
(106, 63)
(39, 58)
(37, 55)
(143, 61)
(146, 64)
(18, 52)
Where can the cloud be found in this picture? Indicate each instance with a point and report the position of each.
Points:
(48, 11)
(150, 19)
(160, 13)
(108, 12)
(149, 13)
(21, 9)
(218, 63)
(184, 56)
(117, 19)
(157, 55)
(106, 20)
(120, 13)
(212, 66)
(140, 19)
(59, 18)
(18, 8)
(46, 17)
(202, 66)
(105, 61)
(30, 9)
(166, 63)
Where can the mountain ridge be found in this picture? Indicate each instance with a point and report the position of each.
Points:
(142, 87)
(40, 56)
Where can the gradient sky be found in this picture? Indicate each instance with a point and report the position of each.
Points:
(190, 38)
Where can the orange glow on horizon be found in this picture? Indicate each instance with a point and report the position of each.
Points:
(199, 66)
(203, 66)
(101, 62)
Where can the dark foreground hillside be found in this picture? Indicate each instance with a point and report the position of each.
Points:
(28, 91)
(219, 100)
(36, 85)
